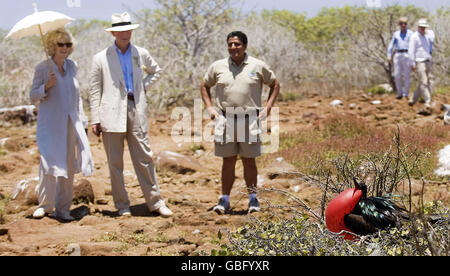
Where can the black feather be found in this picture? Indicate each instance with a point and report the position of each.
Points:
(359, 225)
(373, 213)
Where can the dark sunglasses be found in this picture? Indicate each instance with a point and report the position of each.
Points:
(68, 44)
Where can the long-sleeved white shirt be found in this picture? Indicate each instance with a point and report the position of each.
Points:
(421, 46)
(400, 41)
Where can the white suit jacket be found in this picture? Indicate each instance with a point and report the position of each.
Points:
(55, 107)
(108, 89)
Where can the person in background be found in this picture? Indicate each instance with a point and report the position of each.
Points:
(121, 75)
(61, 137)
(402, 64)
(239, 82)
(420, 52)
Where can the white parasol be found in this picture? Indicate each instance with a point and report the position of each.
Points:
(39, 23)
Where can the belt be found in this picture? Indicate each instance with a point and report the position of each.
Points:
(246, 114)
(402, 51)
(130, 97)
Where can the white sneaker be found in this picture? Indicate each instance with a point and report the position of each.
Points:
(39, 213)
(164, 211)
(222, 207)
(125, 212)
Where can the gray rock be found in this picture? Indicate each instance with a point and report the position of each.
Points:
(83, 192)
(73, 250)
(176, 162)
(336, 103)
(26, 191)
(280, 169)
(376, 102)
(446, 108)
(19, 115)
(222, 220)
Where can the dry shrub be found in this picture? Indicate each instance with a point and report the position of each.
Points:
(302, 236)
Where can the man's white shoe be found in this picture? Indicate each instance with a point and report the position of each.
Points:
(126, 212)
(165, 212)
(39, 213)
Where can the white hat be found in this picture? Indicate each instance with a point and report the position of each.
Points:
(403, 20)
(423, 23)
(121, 23)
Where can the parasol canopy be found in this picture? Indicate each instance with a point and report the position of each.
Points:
(39, 23)
(46, 20)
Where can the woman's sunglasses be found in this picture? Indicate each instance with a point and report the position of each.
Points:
(68, 44)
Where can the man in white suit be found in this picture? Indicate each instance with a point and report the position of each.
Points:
(402, 63)
(420, 52)
(119, 112)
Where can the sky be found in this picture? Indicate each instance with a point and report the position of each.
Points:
(102, 9)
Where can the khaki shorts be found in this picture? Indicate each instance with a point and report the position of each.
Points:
(238, 148)
(240, 143)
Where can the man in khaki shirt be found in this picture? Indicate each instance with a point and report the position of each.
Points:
(239, 81)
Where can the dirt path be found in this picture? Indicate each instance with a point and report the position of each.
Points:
(193, 229)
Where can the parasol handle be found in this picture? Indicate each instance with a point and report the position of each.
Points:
(45, 49)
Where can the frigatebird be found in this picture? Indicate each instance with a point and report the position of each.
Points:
(354, 212)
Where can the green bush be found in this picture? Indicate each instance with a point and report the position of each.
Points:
(377, 90)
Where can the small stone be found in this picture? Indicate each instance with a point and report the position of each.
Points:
(3, 231)
(73, 250)
(102, 201)
(108, 191)
(336, 103)
(381, 116)
(222, 220)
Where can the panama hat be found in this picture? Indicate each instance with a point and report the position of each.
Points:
(403, 20)
(121, 23)
(423, 23)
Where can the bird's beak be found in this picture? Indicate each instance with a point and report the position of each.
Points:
(357, 186)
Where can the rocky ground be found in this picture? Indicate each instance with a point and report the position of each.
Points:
(190, 187)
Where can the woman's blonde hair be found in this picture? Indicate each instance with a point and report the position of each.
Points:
(53, 37)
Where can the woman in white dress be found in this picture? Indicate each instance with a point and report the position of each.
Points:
(61, 137)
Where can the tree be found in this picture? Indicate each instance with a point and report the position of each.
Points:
(185, 33)
(370, 44)
(349, 35)
(440, 23)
